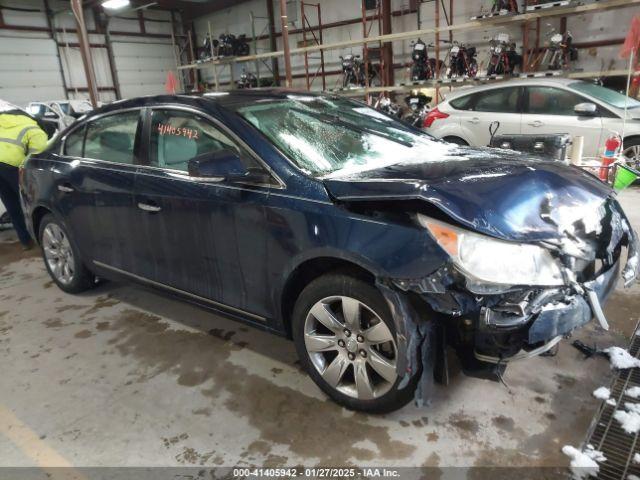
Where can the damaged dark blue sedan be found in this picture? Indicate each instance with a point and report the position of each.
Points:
(372, 245)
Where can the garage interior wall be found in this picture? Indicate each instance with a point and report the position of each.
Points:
(31, 71)
(605, 25)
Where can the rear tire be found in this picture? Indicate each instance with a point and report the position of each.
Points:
(363, 361)
(62, 258)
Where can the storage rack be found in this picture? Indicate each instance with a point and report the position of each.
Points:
(524, 19)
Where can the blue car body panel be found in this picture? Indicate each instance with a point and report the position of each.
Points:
(237, 247)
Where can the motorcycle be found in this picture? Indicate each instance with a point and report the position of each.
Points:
(423, 68)
(227, 45)
(510, 6)
(384, 104)
(558, 53)
(418, 104)
(462, 61)
(205, 51)
(247, 80)
(562, 51)
(353, 71)
(503, 58)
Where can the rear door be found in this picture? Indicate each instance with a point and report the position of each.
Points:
(549, 110)
(202, 237)
(496, 105)
(97, 191)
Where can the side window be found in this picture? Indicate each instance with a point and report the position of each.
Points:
(500, 100)
(462, 103)
(551, 101)
(177, 137)
(74, 142)
(112, 138)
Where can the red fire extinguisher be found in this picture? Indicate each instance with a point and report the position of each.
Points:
(611, 147)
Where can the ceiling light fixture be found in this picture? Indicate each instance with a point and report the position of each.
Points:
(115, 4)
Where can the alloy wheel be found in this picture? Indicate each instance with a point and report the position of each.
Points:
(58, 253)
(632, 156)
(351, 347)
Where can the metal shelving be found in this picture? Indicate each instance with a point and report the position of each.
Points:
(523, 19)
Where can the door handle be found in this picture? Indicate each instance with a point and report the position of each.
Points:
(148, 208)
(474, 120)
(536, 123)
(65, 188)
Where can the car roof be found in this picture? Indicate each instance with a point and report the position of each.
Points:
(231, 99)
(514, 82)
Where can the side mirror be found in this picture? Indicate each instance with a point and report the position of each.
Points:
(225, 165)
(219, 164)
(585, 109)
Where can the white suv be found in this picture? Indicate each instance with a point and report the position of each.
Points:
(539, 105)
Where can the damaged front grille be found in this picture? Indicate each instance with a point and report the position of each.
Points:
(606, 434)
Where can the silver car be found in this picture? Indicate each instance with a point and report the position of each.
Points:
(539, 105)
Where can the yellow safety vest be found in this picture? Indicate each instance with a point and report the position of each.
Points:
(19, 137)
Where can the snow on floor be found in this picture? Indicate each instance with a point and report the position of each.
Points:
(602, 393)
(621, 358)
(584, 463)
(636, 458)
(630, 419)
(633, 392)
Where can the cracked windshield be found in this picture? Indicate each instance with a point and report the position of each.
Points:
(328, 137)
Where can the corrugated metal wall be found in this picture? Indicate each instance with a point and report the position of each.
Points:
(31, 71)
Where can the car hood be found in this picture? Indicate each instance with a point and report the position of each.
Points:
(501, 193)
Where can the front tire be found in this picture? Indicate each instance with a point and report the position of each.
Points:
(345, 339)
(62, 258)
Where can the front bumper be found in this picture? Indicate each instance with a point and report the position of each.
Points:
(563, 318)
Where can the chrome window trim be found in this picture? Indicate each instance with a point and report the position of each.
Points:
(85, 122)
(281, 185)
(177, 290)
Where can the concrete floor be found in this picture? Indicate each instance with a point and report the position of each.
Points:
(123, 376)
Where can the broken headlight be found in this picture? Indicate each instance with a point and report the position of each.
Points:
(487, 260)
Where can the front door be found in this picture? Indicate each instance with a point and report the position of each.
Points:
(550, 110)
(201, 236)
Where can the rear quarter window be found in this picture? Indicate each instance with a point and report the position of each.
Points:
(462, 103)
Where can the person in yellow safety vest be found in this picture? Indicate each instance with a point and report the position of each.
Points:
(20, 136)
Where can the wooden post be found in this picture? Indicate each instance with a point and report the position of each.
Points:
(285, 43)
(85, 52)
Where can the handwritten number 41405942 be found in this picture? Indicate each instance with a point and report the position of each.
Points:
(166, 129)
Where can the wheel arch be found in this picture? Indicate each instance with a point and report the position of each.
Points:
(309, 270)
(36, 217)
(633, 137)
(452, 138)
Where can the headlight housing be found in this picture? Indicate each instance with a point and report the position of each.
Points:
(489, 262)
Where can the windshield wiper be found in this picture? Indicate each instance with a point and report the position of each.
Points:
(325, 117)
